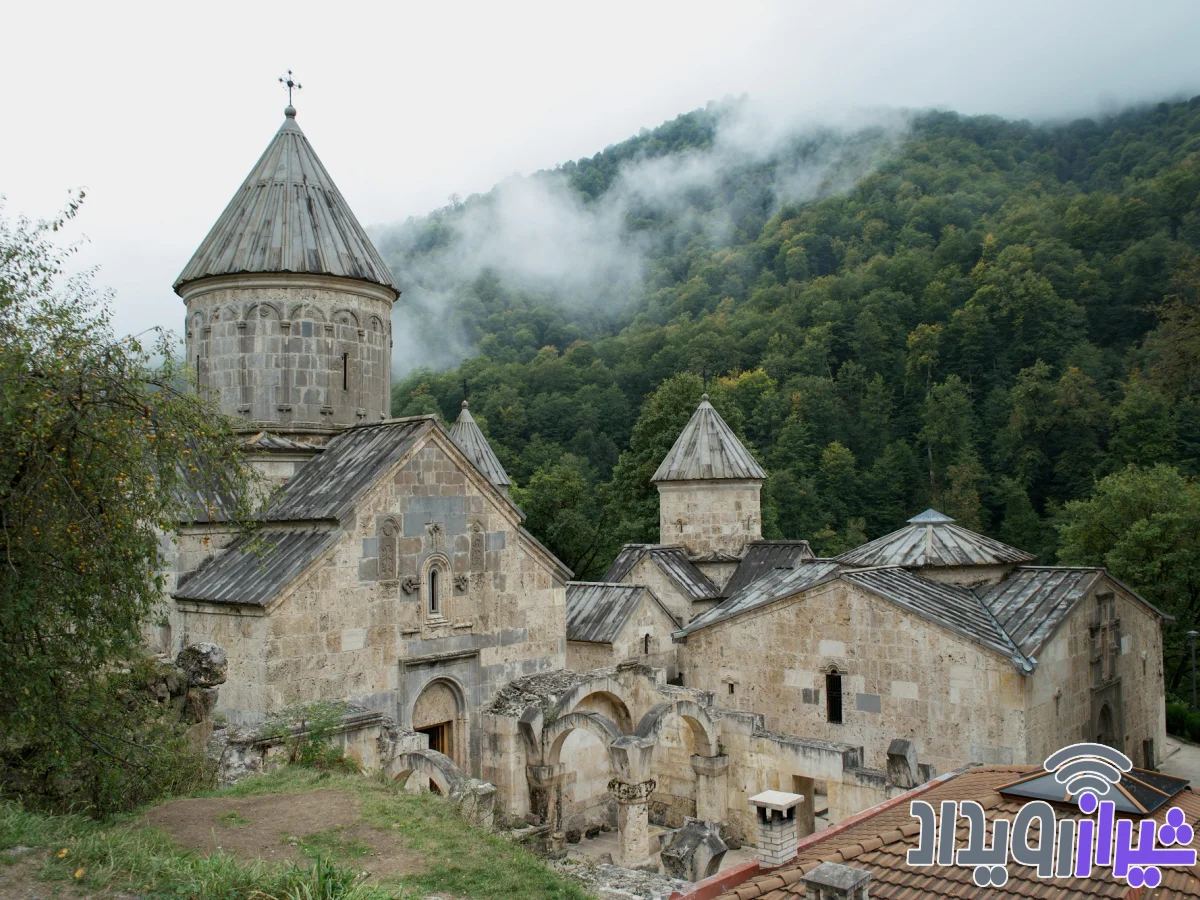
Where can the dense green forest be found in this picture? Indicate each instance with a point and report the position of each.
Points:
(995, 318)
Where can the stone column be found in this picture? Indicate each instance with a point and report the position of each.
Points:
(545, 794)
(776, 816)
(633, 821)
(712, 798)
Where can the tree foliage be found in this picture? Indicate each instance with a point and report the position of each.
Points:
(104, 450)
(1143, 525)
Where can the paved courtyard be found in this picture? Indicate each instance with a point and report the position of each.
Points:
(1182, 759)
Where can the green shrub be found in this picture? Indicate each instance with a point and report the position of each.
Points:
(305, 729)
(1193, 727)
(106, 748)
(1177, 719)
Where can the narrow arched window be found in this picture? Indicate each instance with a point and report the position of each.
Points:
(345, 371)
(646, 645)
(435, 606)
(833, 697)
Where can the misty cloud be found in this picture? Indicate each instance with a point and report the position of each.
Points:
(538, 235)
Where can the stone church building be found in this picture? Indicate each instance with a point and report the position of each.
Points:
(391, 570)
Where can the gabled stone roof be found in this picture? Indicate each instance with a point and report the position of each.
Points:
(597, 611)
(672, 561)
(777, 584)
(470, 440)
(764, 557)
(932, 539)
(949, 605)
(707, 449)
(288, 216)
(255, 568)
(329, 485)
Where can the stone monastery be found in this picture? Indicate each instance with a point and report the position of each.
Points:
(392, 571)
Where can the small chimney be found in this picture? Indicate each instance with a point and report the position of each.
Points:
(833, 881)
(776, 814)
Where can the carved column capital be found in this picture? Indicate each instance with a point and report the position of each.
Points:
(625, 792)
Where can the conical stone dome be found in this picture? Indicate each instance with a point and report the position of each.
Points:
(288, 217)
(707, 449)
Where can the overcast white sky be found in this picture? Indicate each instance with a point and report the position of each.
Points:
(160, 109)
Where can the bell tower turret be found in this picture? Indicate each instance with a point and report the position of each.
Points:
(289, 303)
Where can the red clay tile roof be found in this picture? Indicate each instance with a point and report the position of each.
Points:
(878, 842)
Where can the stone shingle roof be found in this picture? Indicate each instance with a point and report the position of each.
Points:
(470, 440)
(672, 561)
(949, 605)
(707, 449)
(774, 585)
(932, 539)
(879, 839)
(253, 569)
(597, 611)
(764, 557)
(1032, 602)
(288, 216)
(328, 486)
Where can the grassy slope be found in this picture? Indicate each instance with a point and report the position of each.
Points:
(460, 860)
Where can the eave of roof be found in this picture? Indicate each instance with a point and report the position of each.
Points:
(255, 568)
(597, 611)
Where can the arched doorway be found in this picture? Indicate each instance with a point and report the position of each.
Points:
(440, 715)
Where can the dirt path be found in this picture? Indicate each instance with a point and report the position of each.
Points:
(285, 827)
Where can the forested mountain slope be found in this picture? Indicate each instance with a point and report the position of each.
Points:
(980, 315)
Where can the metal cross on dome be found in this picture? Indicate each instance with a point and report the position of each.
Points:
(290, 83)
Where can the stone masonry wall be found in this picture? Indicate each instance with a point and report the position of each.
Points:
(710, 516)
(902, 676)
(647, 573)
(288, 352)
(353, 629)
(1061, 690)
(583, 656)
(649, 620)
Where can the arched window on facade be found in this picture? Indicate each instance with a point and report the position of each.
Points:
(833, 697)
(434, 600)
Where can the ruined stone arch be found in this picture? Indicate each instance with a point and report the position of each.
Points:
(555, 734)
(611, 706)
(429, 764)
(599, 685)
(704, 731)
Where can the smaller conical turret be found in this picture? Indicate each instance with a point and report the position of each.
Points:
(708, 489)
(708, 449)
(470, 440)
